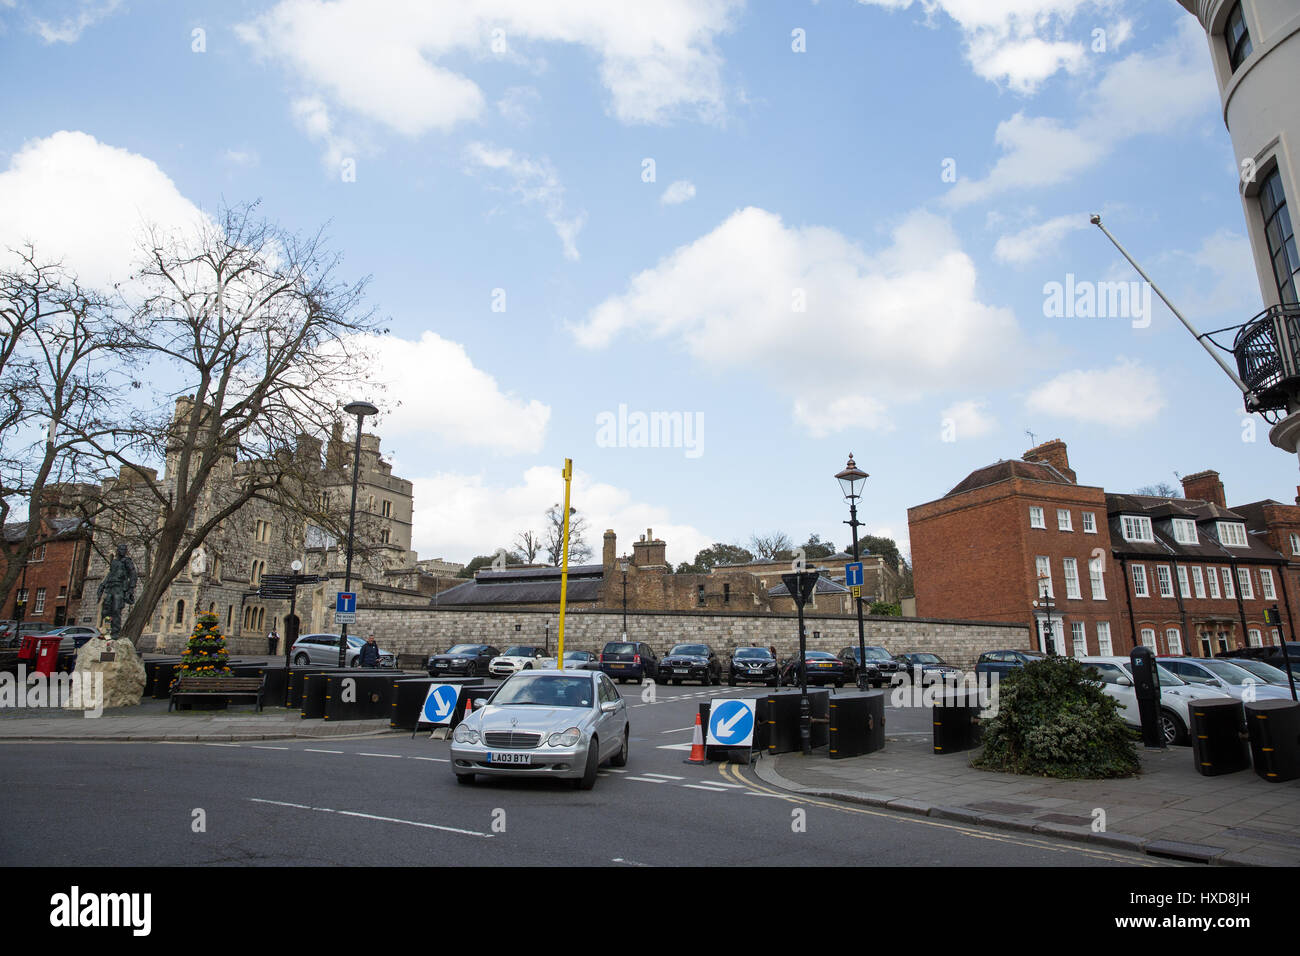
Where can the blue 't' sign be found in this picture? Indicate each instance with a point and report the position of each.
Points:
(345, 602)
(853, 574)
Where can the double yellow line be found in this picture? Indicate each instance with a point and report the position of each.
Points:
(734, 774)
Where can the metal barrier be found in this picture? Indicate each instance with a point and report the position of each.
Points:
(857, 724)
(1275, 738)
(1218, 731)
(956, 721)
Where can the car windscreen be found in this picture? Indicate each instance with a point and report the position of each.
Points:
(1274, 675)
(520, 650)
(926, 659)
(820, 655)
(620, 648)
(876, 654)
(546, 690)
(693, 650)
(465, 649)
(1229, 672)
(1167, 677)
(753, 652)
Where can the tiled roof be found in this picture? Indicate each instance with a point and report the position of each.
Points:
(61, 527)
(525, 586)
(1004, 470)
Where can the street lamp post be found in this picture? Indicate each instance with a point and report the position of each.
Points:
(623, 567)
(851, 480)
(1046, 603)
(361, 410)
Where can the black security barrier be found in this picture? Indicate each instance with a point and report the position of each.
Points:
(956, 721)
(151, 669)
(297, 677)
(778, 719)
(366, 698)
(407, 694)
(1275, 738)
(311, 704)
(857, 724)
(1218, 730)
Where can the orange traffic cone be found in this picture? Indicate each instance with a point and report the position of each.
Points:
(469, 706)
(697, 743)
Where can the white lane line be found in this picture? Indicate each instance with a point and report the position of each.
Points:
(674, 747)
(752, 793)
(309, 750)
(733, 786)
(612, 770)
(700, 786)
(646, 779)
(678, 730)
(221, 745)
(436, 759)
(394, 756)
(371, 816)
(667, 776)
(264, 747)
(638, 705)
(619, 859)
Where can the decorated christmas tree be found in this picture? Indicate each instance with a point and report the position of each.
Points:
(205, 655)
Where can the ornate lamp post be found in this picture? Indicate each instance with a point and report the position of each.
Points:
(623, 567)
(851, 480)
(361, 410)
(1046, 602)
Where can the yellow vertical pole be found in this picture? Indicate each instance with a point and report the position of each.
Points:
(564, 552)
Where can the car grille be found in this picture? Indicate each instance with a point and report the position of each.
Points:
(512, 740)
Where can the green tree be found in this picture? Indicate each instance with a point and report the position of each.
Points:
(715, 555)
(889, 610)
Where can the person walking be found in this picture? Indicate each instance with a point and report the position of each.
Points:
(369, 653)
(272, 641)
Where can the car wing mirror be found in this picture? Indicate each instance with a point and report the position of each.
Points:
(480, 702)
(609, 706)
(1124, 682)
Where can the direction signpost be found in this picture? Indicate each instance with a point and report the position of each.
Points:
(801, 585)
(284, 587)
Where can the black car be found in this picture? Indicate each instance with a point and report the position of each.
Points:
(822, 667)
(925, 668)
(690, 662)
(882, 669)
(752, 664)
(463, 660)
(629, 660)
(1004, 662)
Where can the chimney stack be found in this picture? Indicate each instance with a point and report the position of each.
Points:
(1053, 453)
(1205, 486)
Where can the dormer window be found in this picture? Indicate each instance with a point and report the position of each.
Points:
(1137, 528)
(1237, 37)
(1185, 531)
(1232, 534)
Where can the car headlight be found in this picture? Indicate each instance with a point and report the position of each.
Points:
(565, 738)
(465, 734)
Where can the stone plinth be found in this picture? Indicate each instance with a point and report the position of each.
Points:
(123, 678)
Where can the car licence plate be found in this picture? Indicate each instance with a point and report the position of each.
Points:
(681, 670)
(510, 758)
(823, 665)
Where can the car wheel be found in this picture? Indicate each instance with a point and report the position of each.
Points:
(301, 660)
(1171, 726)
(465, 778)
(593, 759)
(354, 661)
(620, 759)
(676, 682)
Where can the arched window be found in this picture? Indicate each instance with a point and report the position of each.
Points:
(180, 612)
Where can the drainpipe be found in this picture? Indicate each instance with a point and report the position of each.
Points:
(1178, 593)
(1128, 597)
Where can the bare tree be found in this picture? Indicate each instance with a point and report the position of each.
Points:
(1161, 489)
(527, 546)
(771, 547)
(553, 540)
(255, 335)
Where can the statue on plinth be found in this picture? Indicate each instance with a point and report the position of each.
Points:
(117, 590)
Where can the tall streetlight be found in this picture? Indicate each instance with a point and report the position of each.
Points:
(1046, 603)
(623, 567)
(361, 410)
(851, 480)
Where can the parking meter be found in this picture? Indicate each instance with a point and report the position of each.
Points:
(1146, 687)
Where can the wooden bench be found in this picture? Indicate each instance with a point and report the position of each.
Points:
(217, 687)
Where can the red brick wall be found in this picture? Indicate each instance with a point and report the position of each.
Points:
(64, 566)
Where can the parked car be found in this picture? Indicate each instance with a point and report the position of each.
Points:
(690, 662)
(629, 660)
(1175, 695)
(463, 660)
(73, 636)
(924, 668)
(323, 649)
(881, 667)
(752, 664)
(1225, 676)
(573, 661)
(520, 657)
(1268, 673)
(544, 724)
(1004, 662)
(1269, 654)
(822, 668)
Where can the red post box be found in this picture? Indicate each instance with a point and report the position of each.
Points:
(47, 654)
(27, 650)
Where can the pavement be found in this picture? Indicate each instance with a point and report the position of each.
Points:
(1170, 810)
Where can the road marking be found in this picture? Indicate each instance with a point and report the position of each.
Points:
(646, 779)
(697, 786)
(674, 747)
(309, 750)
(612, 770)
(394, 756)
(220, 745)
(619, 859)
(371, 816)
(678, 730)
(667, 776)
(437, 759)
(263, 747)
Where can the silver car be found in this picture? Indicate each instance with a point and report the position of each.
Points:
(324, 649)
(1225, 676)
(544, 723)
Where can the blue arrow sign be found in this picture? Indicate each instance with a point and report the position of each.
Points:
(440, 704)
(345, 602)
(853, 574)
(731, 723)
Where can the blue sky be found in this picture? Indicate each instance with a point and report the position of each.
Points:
(842, 242)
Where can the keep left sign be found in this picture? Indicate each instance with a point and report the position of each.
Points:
(731, 723)
(440, 705)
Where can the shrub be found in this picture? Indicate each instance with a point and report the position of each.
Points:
(1053, 721)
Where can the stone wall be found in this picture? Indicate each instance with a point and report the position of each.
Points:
(425, 630)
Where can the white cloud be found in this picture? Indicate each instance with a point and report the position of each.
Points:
(678, 192)
(518, 104)
(813, 315)
(533, 182)
(87, 204)
(384, 59)
(1017, 42)
(1126, 395)
(242, 157)
(459, 516)
(313, 117)
(481, 414)
(69, 27)
(1039, 240)
(968, 419)
(1144, 93)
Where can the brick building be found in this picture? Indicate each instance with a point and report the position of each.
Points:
(1181, 575)
(51, 583)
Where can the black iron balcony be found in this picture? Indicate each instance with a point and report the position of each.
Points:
(1267, 349)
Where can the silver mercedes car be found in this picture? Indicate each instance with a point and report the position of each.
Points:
(544, 723)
